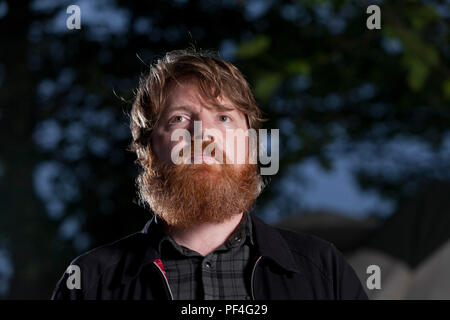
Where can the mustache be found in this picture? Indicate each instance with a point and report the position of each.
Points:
(214, 148)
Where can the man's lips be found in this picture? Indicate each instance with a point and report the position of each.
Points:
(203, 158)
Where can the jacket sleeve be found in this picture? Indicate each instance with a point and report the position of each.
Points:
(346, 284)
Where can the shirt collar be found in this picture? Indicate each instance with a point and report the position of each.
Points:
(242, 232)
(268, 242)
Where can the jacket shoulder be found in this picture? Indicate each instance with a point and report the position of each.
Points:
(303, 243)
(93, 264)
(314, 255)
(309, 249)
(110, 254)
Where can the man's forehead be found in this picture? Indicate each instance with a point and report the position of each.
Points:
(188, 97)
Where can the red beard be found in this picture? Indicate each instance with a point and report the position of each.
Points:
(188, 194)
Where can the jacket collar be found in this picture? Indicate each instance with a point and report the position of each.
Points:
(142, 256)
(268, 242)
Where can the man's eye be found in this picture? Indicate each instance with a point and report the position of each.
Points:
(176, 119)
(224, 118)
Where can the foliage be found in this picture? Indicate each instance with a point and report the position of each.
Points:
(66, 179)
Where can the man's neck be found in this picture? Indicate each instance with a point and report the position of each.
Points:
(204, 238)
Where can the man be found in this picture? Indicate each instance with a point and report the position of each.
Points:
(203, 241)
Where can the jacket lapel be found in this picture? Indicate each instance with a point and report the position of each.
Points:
(270, 244)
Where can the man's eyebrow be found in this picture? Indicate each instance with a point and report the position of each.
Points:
(177, 108)
(220, 107)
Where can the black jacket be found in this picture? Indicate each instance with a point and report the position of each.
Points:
(290, 265)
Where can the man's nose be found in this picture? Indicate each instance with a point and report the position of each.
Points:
(203, 130)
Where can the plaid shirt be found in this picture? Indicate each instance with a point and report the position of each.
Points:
(223, 274)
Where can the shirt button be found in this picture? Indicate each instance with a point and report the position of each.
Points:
(238, 239)
(208, 264)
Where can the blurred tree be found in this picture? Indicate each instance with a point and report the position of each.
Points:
(321, 74)
(67, 183)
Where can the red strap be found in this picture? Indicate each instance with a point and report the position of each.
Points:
(159, 263)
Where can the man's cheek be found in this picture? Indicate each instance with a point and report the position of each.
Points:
(179, 152)
(161, 147)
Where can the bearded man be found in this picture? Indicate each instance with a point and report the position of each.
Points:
(203, 240)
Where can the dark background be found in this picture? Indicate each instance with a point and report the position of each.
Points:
(377, 98)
